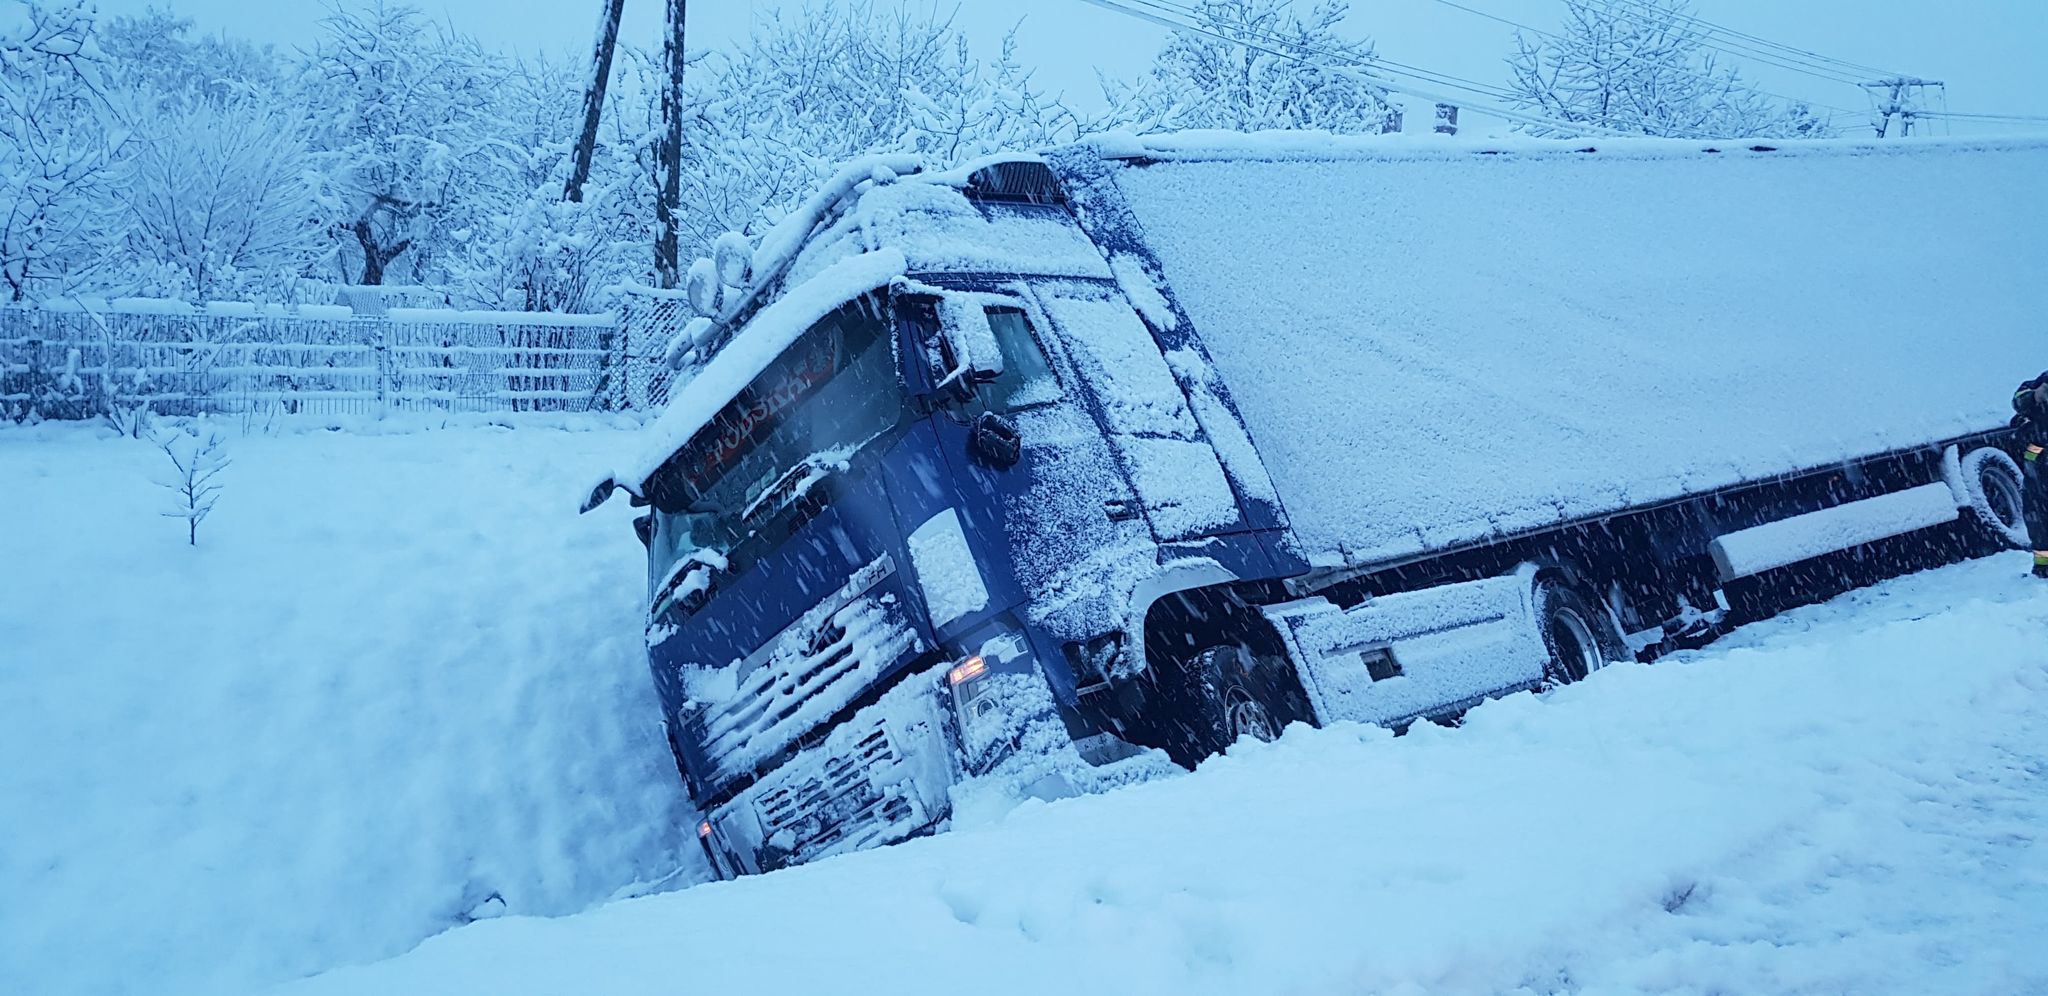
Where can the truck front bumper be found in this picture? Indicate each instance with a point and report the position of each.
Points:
(882, 776)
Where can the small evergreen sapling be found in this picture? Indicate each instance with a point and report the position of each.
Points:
(194, 484)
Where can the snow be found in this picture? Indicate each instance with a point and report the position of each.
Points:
(779, 247)
(1449, 642)
(397, 676)
(1285, 145)
(1549, 335)
(1146, 414)
(150, 306)
(939, 229)
(1789, 541)
(328, 312)
(453, 316)
(1138, 284)
(946, 570)
(1226, 434)
(1844, 799)
(771, 331)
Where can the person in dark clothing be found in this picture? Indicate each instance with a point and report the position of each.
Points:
(2031, 403)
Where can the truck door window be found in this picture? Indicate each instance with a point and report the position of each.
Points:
(1027, 379)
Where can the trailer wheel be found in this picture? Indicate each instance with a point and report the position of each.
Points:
(1997, 493)
(1579, 635)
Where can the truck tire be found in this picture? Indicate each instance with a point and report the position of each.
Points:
(1579, 635)
(1228, 692)
(1997, 493)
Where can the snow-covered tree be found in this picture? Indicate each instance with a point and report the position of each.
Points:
(805, 93)
(157, 53)
(222, 197)
(1285, 66)
(1643, 69)
(403, 117)
(193, 478)
(61, 142)
(528, 248)
(980, 109)
(394, 150)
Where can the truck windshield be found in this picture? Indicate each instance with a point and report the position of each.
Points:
(832, 392)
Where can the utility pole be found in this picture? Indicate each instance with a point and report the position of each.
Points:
(593, 99)
(667, 268)
(1898, 96)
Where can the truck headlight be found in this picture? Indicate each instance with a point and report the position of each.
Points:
(997, 693)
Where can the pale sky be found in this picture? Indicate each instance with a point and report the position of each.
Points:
(1991, 53)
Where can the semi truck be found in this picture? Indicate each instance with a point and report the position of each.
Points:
(1058, 465)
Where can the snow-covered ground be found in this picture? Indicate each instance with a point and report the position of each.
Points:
(1849, 799)
(398, 675)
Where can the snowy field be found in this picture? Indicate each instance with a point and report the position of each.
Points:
(399, 675)
(1848, 799)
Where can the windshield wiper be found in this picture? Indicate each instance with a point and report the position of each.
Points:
(801, 479)
(797, 482)
(688, 582)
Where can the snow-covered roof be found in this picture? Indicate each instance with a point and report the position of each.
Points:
(1295, 146)
(866, 226)
(1431, 346)
(1436, 340)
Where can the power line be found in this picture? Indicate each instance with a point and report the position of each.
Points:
(1683, 70)
(1737, 49)
(1739, 44)
(1962, 115)
(1398, 68)
(1380, 81)
(1854, 67)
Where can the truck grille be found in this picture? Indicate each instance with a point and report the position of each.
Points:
(813, 669)
(879, 777)
(812, 816)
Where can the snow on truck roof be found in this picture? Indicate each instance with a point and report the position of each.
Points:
(1434, 340)
(1430, 349)
(1287, 146)
(865, 227)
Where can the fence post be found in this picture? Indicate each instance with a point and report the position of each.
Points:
(381, 343)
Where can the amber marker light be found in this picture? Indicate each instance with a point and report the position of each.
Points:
(967, 670)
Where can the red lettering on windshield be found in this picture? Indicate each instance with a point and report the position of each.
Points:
(754, 412)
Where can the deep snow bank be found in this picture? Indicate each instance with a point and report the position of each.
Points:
(1846, 799)
(398, 675)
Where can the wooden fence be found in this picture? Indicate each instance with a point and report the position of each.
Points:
(81, 361)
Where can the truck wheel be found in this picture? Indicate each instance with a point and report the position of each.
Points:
(1579, 635)
(1997, 493)
(1230, 692)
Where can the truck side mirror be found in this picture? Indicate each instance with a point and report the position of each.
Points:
(969, 354)
(995, 440)
(956, 378)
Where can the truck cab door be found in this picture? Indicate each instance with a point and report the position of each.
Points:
(978, 371)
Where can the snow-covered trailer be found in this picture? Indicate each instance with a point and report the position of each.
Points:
(1162, 442)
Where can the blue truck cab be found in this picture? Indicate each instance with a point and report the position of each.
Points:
(911, 542)
(954, 489)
